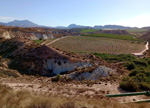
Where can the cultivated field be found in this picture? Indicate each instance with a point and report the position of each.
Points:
(113, 36)
(98, 44)
(88, 30)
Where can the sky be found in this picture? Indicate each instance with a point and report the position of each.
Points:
(133, 13)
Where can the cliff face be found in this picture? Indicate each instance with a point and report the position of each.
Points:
(63, 65)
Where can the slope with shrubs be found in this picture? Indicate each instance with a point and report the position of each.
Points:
(139, 71)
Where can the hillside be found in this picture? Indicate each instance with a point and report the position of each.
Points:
(145, 37)
(46, 71)
(30, 58)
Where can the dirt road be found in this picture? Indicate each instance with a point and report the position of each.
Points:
(47, 44)
(141, 53)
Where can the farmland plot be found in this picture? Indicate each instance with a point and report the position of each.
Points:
(99, 44)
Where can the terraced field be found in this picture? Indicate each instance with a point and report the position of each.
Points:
(98, 44)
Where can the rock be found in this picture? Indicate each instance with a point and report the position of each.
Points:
(101, 71)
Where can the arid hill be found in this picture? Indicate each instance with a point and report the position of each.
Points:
(30, 58)
(33, 33)
(145, 37)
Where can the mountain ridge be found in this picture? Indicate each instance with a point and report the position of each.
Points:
(20, 23)
(27, 23)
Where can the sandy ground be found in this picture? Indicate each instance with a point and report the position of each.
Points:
(46, 86)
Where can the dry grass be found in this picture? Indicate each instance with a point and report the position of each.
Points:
(98, 44)
(24, 99)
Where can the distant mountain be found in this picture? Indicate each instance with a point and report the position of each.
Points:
(72, 26)
(111, 27)
(22, 23)
(77, 26)
(27, 23)
(2, 23)
(61, 27)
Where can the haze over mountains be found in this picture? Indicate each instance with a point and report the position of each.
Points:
(27, 23)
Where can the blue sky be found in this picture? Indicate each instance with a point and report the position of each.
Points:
(83, 12)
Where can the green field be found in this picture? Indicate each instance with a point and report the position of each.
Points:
(114, 36)
(99, 45)
(88, 30)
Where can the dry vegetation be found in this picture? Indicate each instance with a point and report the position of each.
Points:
(14, 98)
(98, 44)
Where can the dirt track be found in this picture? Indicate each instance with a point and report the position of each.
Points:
(141, 53)
(54, 40)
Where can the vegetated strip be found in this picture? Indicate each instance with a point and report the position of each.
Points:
(88, 30)
(114, 36)
(39, 41)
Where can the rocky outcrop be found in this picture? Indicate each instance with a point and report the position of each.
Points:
(36, 36)
(5, 35)
(63, 65)
(101, 71)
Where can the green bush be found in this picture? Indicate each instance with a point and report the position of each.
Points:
(136, 71)
(57, 78)
(138, 79)
(145, 85)
(129, 85)
(130, 65)
(140, 62)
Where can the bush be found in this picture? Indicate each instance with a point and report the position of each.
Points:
(136, 71)
(57, 78)
(139, 62)
(138, 79)
(145, 85)
(129, 85)
(130, 65)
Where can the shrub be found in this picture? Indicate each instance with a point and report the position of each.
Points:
(129, 85)
(57, 78)
(140, 77)
(145, 85)
(130, 65)
(136, 71)
(140, 62)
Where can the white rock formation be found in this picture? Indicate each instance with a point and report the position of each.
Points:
(6, 35)
(101, 71)
(59, 66)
